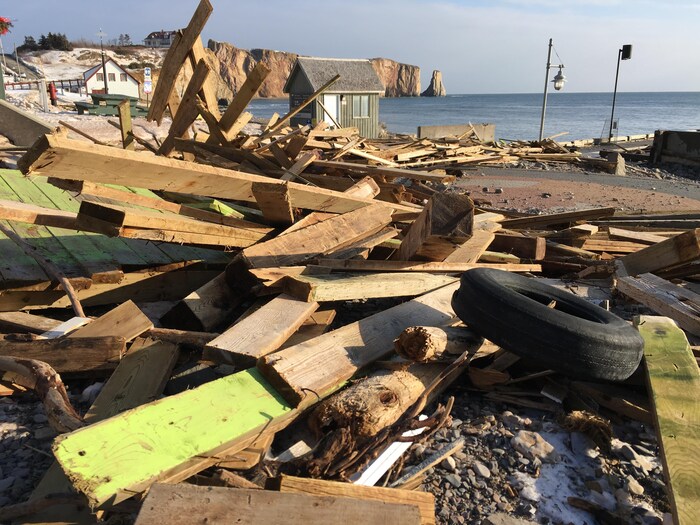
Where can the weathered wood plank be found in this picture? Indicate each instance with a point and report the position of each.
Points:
(177, 504)
(261, 333)
(24, 322)
(414, 266)
(674, 384)
(126, 320)
(677, 250)
(389, 173)
(569, 217)
(124, 109)
(274, 202)
(319, 487)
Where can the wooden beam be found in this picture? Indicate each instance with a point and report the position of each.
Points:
(245, 94)
(383, 171)
(323, 364)
(69, 355)
(320, 487)
(677, 250)
(665, 298)
(348, 287)
(63, 158)
(174, 60)
(176, 504)
(124, 109)
(673, 380)
(533, 248)
(208, 91)
(188, 111)
(25, 322)
(274, 202)
(261, 333)
(569, 217)
(413, 266)
(629, 235)
(126, 320)
(117, 458)
(32, 214)
(473, 249)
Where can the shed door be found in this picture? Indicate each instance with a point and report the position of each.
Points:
(331, 103)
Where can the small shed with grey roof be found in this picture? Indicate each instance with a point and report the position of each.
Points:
(352, 101)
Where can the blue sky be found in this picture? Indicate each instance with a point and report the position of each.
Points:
(480, 46)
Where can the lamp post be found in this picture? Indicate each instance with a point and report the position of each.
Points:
(624, 53)
(104, 64)
(558, 81)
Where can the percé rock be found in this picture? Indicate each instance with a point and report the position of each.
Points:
(436, 87)
(234, 64)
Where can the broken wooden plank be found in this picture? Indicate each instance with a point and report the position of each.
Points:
(25, 322)
(60, 158)
(524, 247)
(473, 249)
(124, 109)
(176, 504)
(322, 364)
(32, 214)
(665, 298)
(683, 248)
(319, 487)
(673, 379)
(633, 236)
(174, 59)
(69, 355)
(347, 287)
(261, 333)
(383, 171)
(234, 409)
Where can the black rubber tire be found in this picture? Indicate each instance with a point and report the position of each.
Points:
(575, 337)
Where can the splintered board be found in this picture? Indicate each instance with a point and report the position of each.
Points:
(119, 457)
(674, 383)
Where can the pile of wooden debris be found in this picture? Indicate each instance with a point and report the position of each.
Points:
(285, 226)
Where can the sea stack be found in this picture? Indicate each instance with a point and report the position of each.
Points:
(436, 87)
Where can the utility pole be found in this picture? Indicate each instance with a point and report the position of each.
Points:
(104, 64)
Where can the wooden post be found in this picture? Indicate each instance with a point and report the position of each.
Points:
(124, 109)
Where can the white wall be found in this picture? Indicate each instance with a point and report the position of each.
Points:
(116, 87)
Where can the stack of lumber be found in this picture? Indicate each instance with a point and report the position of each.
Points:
(299, 221)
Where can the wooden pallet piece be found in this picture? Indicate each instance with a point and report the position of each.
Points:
(320, 487)
(681, 249)
(62, 158)
(176, 504)
(235, 409)
(348, 287)
(665, 298)
(673, 380)
(324, 363)
(261, 333)
(139, 378)
(447, 215)
(174, 59)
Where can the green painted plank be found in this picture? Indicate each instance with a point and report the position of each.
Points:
(674, 384)
(118, 457)
(42, 239)
(92, 258)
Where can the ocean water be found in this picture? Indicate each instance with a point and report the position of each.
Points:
(517, 116)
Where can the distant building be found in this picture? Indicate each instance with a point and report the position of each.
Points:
(160, 38)
(119, 80)
(352, 101)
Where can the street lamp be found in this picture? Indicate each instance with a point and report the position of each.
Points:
(558, 81)
(104, 65)
(624, 53)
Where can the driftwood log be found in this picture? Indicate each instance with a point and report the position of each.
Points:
(428, 343)
(47, 384)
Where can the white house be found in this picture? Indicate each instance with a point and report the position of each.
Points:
(119, 80)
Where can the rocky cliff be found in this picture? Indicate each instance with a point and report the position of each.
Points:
(436, 87)
(234, 64)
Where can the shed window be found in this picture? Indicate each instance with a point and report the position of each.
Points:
(100, 77)
(112, 77)
(122, 77)
(360, 106)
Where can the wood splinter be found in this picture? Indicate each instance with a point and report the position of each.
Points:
(428, 343)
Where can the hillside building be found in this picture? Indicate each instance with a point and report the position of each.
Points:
(119, 80)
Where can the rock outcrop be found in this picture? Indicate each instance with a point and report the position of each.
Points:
(400, 80)
(234, 64)
(436, 87)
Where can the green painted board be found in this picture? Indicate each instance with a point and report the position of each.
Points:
(674, 385)
(118, 457)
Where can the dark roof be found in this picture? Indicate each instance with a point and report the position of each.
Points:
(355, 75)
(160, 35)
